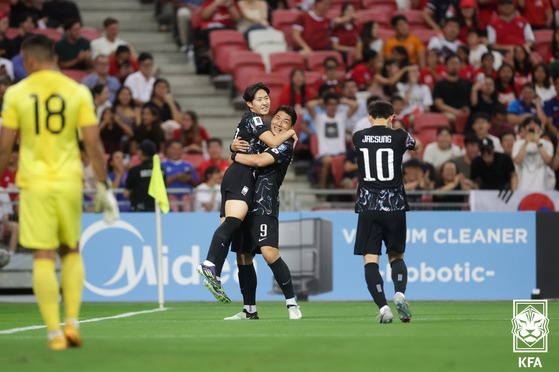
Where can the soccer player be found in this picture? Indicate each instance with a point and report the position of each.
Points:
(261, 227)
(382, 205)
(48, 109)
(237, 186)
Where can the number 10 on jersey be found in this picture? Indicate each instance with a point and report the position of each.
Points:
(385, 156)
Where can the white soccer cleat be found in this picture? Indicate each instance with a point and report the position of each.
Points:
(385, 315)
(294, 312)
(243, 315)
(404, 312)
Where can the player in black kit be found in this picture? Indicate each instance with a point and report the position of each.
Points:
(237, 186)
(382, 205)
(261, 228)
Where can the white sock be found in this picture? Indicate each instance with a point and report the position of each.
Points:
(208, 263)
(290, 302)
(250, 308)
(52, 334)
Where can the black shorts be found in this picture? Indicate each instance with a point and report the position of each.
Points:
(374, 227)
(237, 184)
(256, 232)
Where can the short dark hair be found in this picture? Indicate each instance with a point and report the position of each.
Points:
(323, 89)
(486, 55)
(97, 89)
(528, 85)
(499, 109)
(210, 170)
(144, 56)
(480, 115)
(39, 46)
(216, 140)
(250, 91)
(289, 110)
(471, 138)
(452, 20)
(395, 98)
(449, 57)
(381, 110)
(330, 59)
(70, 22)
(350, 80)
(443, 128)
(505, 134)
(530, 119)
(373, 98)
(171, 141)
(23, 17)
(330, 95)
(396, 18)
(122, 49)
(109, 21)
(369, 54)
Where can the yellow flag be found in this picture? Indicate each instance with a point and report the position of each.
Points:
(157, 186)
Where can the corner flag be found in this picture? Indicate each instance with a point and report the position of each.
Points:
(157, 186)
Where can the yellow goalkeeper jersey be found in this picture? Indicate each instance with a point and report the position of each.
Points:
(48, 108)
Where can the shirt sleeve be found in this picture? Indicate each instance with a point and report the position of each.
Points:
(491, 35)
(410, 142)
(86, 111)
(10, 118)
(281, 154)
(528, 33)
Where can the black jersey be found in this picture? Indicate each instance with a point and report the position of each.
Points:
(269, 180)
(250, 129)
(379, 151)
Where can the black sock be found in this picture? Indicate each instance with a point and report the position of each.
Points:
(221, 240)
(399, 275)
(375, 283)
(283, 277)
(247, 282)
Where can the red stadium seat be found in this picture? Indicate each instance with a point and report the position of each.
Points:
(415, 19)
(76, 75)
(429, 121)
(314, 146)
(196, 19)
(316, 58)
(386, 33)
(244, 64)
(542, 44)
(285, 62)
(51, 33)
(90, 33)
(458, 140)
(390, 4)
(337, 4)
(194, 159)
(381, 16)
(223, 43)
(283, 20)
(5, 8)
(460, 123)
(424, 35)
(338, 169)
(275, 81)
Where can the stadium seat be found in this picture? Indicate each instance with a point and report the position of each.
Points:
(424, 35)
(283, 21)
(90, 33)
(11, 33)
(275, 81)
(415, 19)
(542, 44)
(338, 169)
(381, 16)
(460, 123)
(337, 4)
(314, 146)
(316, 58)
(194, 159)
(244, 64)
(386, 33)
(311, 78)
(196, 19)
(285, 62)
(267, 42)
(390, 4)
(458, 140)
(426, 138)
(76, 75)
(222, 43)
(428, 121)
(51, 33)
(5, 7)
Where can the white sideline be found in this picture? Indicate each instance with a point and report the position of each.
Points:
(125, 315)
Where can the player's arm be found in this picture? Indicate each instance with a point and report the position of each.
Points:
(311, 106)
(7, 138)
(254, 160)
(275, 140)
(95, 151)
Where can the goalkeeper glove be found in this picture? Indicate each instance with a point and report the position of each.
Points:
(105, 201)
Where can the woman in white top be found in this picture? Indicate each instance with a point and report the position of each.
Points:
(542, 82)
(370, 40)
(255, 16)
(442, 149)
(417, 97)
(208, 195)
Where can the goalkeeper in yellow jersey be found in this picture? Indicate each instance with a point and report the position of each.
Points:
(48, 109)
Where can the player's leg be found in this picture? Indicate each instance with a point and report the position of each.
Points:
(247, 283)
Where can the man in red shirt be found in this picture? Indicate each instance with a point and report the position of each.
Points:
(537, 12)
(507, 31)
(121, 64)
(364, 72)
(215, 150)
(218, 14)
(313, 29)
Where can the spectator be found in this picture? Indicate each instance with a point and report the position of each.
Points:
(469, 20)
(450, 179)
(483, 97)
(467, 71)
(370, 40)
(542, 81)
(416, 178)
(141, 82)
(118, 174)
(471, 151)
(26, 25)
(526, 106)
(349, 178)
(554, 52)
(100, 99)
(442, 149)
(218, 14)
(208, 195)
(121, 65)
(19, 69)
(313, 29)
(184, 23)
(539, 14)
(180, 174)
(499, 123)
(509, 30)
(493, 170)
(507, 142)
(254, 16)
(6, 69)
(8, 177)
(345, 37)
(417, 96)
(19, 8)
(522, 67)
(137, 182)
(191, 134)
(330, 129)
(108, 44)
(435, 12)
(364, 72)
(101, 76)
(487, 11)
(215, 152)
(126, 113)
(349, 92)
(504, 84)
(74, 51)
(169, 109)
(296, 93)
(413, 45)
(452, 95)
(476, 48)
(331, 75)
(4, 41)
(384, 82)
(448, 43)
(555, 167)
(149, 128)
(532, 155)
(551, 110)
(4, 84)
(58, 12)
(486, 68)
(481, 125)
(111, 131)
(433, 71)
(401, 120)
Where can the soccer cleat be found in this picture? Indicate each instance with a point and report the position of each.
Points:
(218, 293)
(57, 342)
(404, 312)
(243, 315)
(385, 315)
(72, 334)
(294, 312)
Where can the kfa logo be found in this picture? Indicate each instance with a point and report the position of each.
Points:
(530, 327)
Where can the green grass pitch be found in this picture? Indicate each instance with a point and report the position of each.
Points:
(332, 336)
